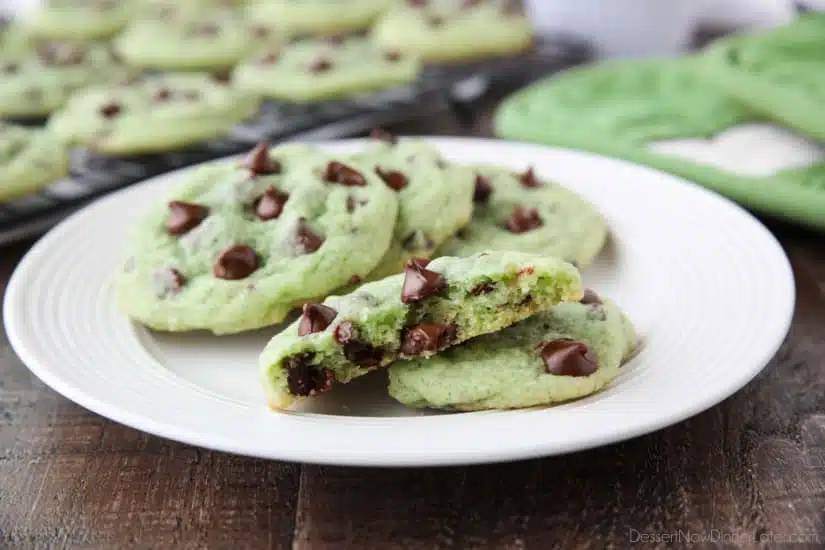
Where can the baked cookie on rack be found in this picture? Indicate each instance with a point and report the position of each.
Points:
(30, 159)
(35, 83)
(444, 31)
(566, 352)
(79, 19)
(312, 70)
(152, 114)
(318, 17)
(240, 243)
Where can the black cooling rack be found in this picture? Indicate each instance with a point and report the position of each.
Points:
(93, 175)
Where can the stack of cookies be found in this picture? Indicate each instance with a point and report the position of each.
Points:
(463, 280)
(140, 77)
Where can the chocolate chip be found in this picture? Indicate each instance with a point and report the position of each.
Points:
(529, 180)
(237, 261)
(483, 189)
(184, 216)
(590, 297)
(270, 205)
(320, 65)
(304, 379)
(315, 318)
(523, 220)
(268, 59)
(354, 280)
(259, 162)
(110, 110)
(426, 337)
(482, 288)
(163, 94)
(395, 180)
(10, 68)
(363, 354)
(344, 333)
(306, 241)
(350, 204)
(566, 357)
(435, 20)
(338, 172)
(221, 76)
(420, 283)
(392, 56)
(383, 135)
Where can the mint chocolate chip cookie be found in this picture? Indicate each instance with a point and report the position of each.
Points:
(435, 198)
(428, 308)
(152, 114)
(239, 244)
(523, 211)
(566, 352)
(668, 114)
(312, 70)
(37, 82)
(313, 17)
(79, 19)
(30, 159)
(209, 40)
(455, 30)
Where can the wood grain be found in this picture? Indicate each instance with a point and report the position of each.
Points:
(748, 470)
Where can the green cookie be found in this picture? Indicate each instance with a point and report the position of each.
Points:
(314, 17)
(202, 40)
(455, 30)
(312, 70)
(238, 244)
(566, 352)
(665, 114)
(13, 39)
(779, 74)
(528, 213)
(430, 307)
(435, 199)
(30, 159)
(154, 114)
(39, 81)
(79, 19)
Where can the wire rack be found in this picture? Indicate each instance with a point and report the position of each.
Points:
(93, 175)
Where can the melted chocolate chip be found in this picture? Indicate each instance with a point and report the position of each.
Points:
(566, 357)
(590, 297)
(306, 241)
(344, 332)
(420, 282)
(383, 135)
(304, 379)
(529, 180)
(338, 172)
(320, 65)
(483, 189)
(395, 180)
(110, 110)
(523, 220)
(315, 318)
(221, 76)
(236, 262)
(392, 56)
(270, 205)
(426, 337)
(184, 216)
(482, 288)
(363, 354)
(163, 94)
(259, 162)
(355, 280)
(10, 68)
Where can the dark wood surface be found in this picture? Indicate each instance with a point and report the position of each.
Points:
(748, 470)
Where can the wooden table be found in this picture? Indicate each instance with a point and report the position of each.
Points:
(750, 469)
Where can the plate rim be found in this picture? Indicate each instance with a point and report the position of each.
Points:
(16, 287)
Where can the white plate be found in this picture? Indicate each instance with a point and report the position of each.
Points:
(710, 290)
